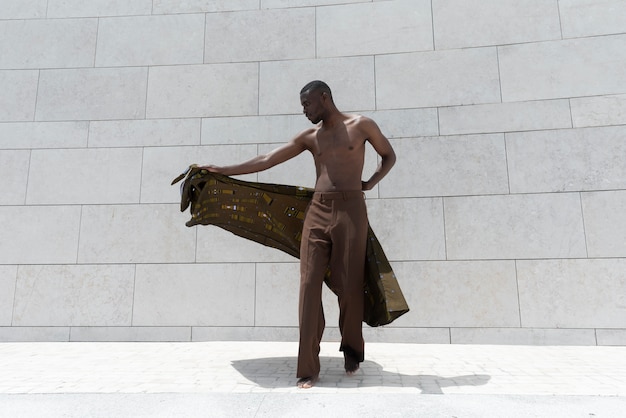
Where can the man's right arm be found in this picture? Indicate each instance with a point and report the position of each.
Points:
(264, 161)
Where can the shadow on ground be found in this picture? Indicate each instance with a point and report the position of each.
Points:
(279, 372)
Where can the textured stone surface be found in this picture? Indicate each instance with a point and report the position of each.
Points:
(504, 216)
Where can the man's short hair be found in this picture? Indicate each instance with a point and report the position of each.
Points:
(317, 85)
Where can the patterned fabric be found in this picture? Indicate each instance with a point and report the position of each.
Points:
(273, 215)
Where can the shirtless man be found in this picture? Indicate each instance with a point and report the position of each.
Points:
(335, 228)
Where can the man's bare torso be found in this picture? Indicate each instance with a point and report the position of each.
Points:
(339, 153)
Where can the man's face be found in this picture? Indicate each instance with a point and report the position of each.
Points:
(312, 105)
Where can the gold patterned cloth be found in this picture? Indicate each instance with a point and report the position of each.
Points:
(273, 215)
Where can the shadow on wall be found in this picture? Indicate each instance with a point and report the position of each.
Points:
(279, 372)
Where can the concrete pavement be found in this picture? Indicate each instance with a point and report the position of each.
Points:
(257, 379)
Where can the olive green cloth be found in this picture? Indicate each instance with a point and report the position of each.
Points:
(273, 215)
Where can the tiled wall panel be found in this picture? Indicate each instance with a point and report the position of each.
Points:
(507, 117)
(200, 91)
(8, 277)
(260, 35)
(86, 94)
(96, 8)
(150, 40)
(439, 78)
(463, 23)
(25, 135)
(198, 295)
(23, 9)
(55, 43)
(74, 295)
(374, 28)
(19, 94)
(146, 133)
(572, 293)
(571, 68)
(514, 227)
(14, 173)
(605, 226)
(83, 176)
(599, 110)
(567, 160)
(590, 18)
(135, 234)
(195, 6)
(39, 234)
(447, 166)
(454, 294)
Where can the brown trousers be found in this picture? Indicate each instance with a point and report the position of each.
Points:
(334, 237)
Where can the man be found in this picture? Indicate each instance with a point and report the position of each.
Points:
(335, 225)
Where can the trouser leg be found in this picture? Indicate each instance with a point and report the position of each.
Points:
(314, 258)
(347, 265)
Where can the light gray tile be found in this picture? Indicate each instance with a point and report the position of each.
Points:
(350, 79)
(8, 276)
(216, 245)
(569, 68)
(29, 135)
(84, 176)
(581, 18)
(95, 8)
(447, 166)
(19, 94)
(611, 336)
(195, 6)
(523, 336)
(203, 91)
(34, 334)
(269, 4)
(567, 160)
(458, 294)
(146, 133)
(599, 110)
(162, 164)
(194, 294)
(92, 94)
(374, 28)
(471, 23)
(572, 293)
(439, 78)
(277, 293)
(414, 335)
(22, 9)
(260, 35)
(61, 43)
(135, 234)
(252, 129)
(605, 223)
(39, 234)
(514, 227)
(245, 334)
(409, 229)
(406, 123)
(74, 295)
(505, 117)
(150, 40)
(14, 175)
(115, 334)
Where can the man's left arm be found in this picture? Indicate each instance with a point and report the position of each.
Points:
(382, 146)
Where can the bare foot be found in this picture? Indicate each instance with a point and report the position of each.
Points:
(350, 364)
(307, 382)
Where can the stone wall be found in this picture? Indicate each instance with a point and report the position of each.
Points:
(504, 218)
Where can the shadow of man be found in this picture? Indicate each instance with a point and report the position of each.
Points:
(278, 372)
